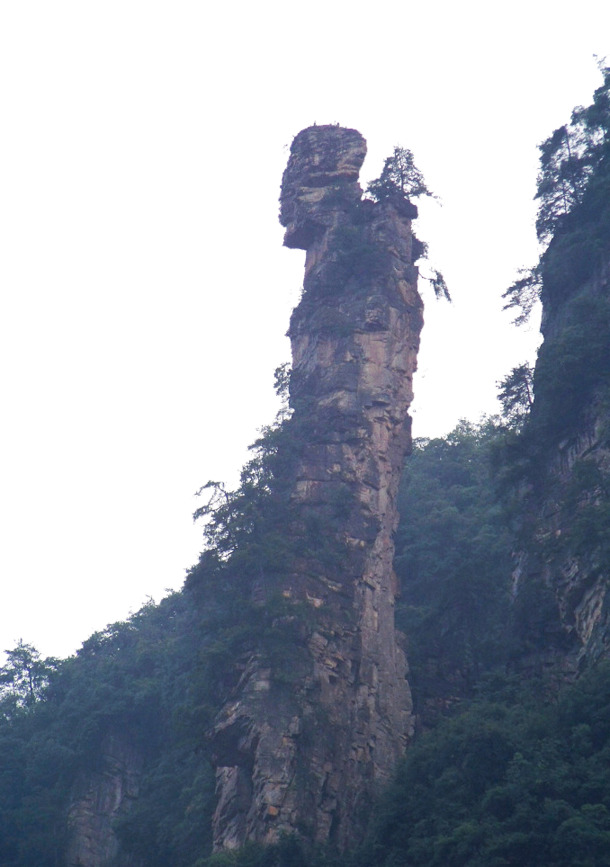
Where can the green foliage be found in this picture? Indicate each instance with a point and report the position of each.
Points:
(570, 160)
(281, 386)
(400, 177)
(585, 518)
(516, 394)
(573, 364)
(401, 180)
(508, 779)
(566, 163)
(23, 678)
(250, 521)
(288, 852)
(439, 285)
(453, 558)
(170, 822)
(515, 779)
(128, 681)
(523, 294)
(572, 375)
(574, 211)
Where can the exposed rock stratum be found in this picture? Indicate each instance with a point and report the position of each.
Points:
(566, 515)
(307, 754)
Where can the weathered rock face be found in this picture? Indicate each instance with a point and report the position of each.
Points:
(569, 552)
(306, 754)
(579, 577)
(99, 798)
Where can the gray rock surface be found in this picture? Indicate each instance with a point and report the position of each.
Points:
(308, 756)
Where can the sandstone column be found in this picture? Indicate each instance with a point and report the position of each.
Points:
(308, 757)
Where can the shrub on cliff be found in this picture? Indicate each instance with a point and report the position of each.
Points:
(400, 177)
(399, 182)
(573, 192)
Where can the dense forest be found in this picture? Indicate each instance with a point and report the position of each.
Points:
(510, 764)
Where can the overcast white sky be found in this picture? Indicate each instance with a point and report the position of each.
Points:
(145, 293)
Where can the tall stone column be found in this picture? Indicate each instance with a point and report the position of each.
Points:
(308, 757)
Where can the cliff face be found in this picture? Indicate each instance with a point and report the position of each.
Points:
(570, 518)
(306, 754)
(98, 800)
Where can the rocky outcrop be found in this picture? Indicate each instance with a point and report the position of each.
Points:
(304, 750)
(100, 797)
(569, 505)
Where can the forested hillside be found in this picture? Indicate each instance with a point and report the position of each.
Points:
(503, 558)
(502, 769)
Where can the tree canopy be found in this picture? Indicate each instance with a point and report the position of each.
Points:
(399, 180)
(400, 177)
(573, 195)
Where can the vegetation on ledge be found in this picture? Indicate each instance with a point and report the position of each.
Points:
(506, 769)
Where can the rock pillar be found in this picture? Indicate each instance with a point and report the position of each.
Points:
(307, 756)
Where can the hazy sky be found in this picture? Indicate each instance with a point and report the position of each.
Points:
(145, 293)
